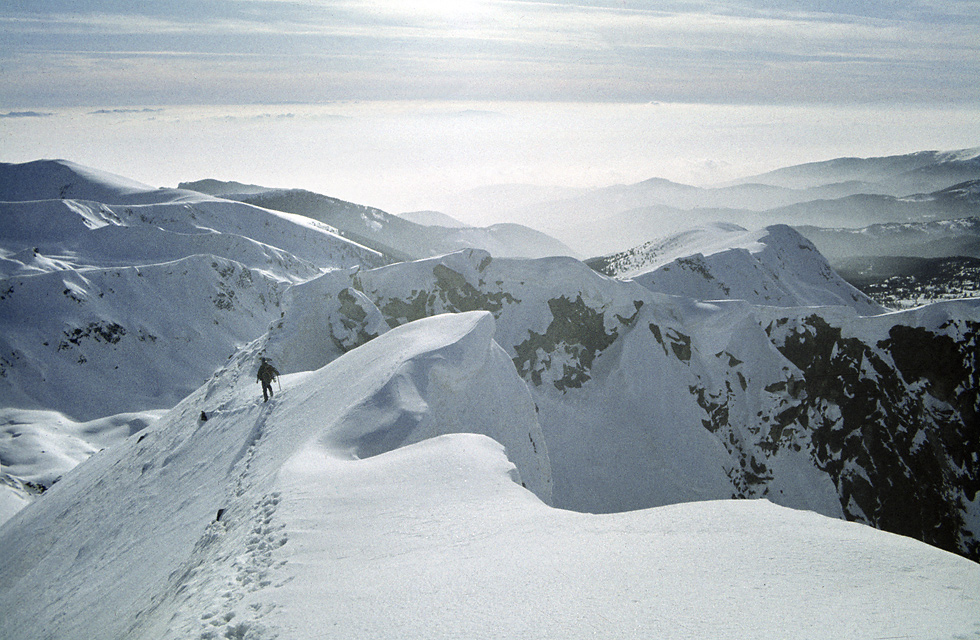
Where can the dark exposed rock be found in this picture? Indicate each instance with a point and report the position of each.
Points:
(577, 332)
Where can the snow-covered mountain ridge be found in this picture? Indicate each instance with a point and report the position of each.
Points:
(773, 266)
(930, 168)
(935, 239)
(354, 505)
(433, 219)
(740, 400)
(396, 236)
(103, 303)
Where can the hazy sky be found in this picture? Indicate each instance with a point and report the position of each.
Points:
(462, 92)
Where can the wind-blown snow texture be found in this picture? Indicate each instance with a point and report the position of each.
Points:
(378, 494)
(809, 407)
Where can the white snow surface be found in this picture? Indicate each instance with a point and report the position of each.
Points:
(631, 436)
(52, 179)
(160, 293)
(355, 507)
(772, 266)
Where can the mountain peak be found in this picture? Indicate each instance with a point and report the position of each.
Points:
(63, 179)
(772, 266)
(945, 168)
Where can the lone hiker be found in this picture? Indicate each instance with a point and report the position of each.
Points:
(267, 373)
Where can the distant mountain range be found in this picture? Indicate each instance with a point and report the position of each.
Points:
(433, 219)
(919, 172)
(846, 192)
(864, 215)
(396, 236)
(933, 239)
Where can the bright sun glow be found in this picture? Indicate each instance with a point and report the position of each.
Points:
(448, 7)
(441, 9)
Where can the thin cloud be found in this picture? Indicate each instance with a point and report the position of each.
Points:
(98, 112)
(277, 51)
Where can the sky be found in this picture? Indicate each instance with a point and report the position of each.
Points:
(395, 104)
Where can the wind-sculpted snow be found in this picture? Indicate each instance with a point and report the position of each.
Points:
(644, 399)
(647, 399)
(353, 486)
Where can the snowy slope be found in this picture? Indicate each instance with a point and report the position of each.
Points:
(37, 210)
(61, 179)
(90, 342)
(430, 537)
(773, 266)
(156, 495)
(109, 308)
(402, 237)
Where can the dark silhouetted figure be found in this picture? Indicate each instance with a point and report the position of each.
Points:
(267, 373)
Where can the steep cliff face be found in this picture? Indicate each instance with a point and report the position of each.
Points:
(894, 421)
